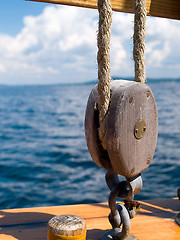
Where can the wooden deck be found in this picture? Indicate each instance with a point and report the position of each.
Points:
(154, 221)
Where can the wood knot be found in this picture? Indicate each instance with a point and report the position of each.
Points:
(148, 93)
(130, 99)
(132, 170)
(148, 161)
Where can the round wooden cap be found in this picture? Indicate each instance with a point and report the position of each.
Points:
(66, 227)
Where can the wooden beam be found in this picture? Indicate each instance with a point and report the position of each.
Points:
(156, 8)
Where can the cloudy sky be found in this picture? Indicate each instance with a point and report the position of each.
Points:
(43, 43)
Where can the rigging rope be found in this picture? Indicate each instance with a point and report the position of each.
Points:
(139, 40)
(103, 56)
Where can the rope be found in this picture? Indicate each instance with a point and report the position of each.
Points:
(103, 56)
(139, 40)
(103, 59)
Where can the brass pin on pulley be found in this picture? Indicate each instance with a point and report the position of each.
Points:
(140, 129)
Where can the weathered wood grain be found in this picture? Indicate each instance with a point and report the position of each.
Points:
(158, 8)
(131, 102)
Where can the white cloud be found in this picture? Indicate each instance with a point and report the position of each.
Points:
(119, 56)
(151, 45)
(157, 56)
(121, 44)
(56, 43)
(60, 45)
(162, 47)
(2, 68)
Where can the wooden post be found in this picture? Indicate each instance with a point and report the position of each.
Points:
(66, 227)
(156, 8)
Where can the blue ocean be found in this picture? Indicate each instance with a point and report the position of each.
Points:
(44, 159)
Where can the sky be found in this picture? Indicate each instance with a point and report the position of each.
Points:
(43, 43)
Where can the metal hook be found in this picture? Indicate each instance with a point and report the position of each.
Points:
(120, 215)
(128, 188)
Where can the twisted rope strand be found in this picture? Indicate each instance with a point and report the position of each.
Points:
(139, 40)
(103, 59)
(103, 56)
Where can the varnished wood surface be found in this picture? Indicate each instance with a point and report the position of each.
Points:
(158, 8)
(155, 221)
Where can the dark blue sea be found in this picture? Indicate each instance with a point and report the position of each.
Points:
(44, 159)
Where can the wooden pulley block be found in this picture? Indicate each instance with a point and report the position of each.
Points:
(131, 128)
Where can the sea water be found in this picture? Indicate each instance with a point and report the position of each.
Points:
(44, 158)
